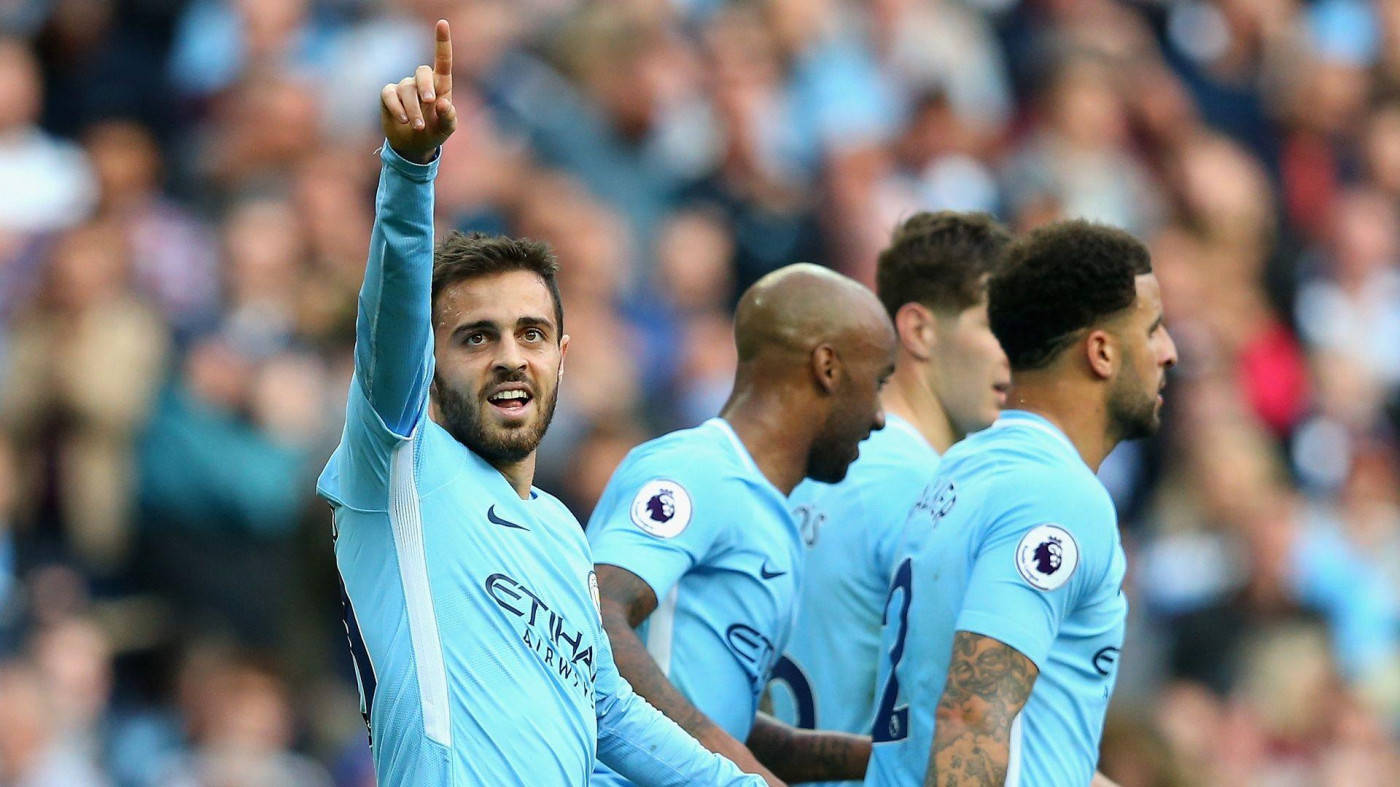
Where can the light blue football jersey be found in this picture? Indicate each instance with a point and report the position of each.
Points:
(692, 516)
(472, 614)
(826, 678)
(1017, 540)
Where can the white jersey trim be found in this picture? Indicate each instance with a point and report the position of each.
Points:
(1013, 760)
(661, 629)
(406, 522)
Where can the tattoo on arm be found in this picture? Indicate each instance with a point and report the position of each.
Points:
(988, 684)
(798, 755)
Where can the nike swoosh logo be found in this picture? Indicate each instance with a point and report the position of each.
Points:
(495, 520)
(766, 574)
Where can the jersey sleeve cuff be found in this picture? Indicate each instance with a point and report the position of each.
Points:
(1005, 631)
(658, 581)
(420, 173)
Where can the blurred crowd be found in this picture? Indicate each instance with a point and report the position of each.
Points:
(185, 206)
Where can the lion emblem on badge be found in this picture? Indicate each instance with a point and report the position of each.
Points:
(1047, 556)
(662, 506)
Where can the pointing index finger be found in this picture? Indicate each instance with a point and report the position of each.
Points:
(442, 59)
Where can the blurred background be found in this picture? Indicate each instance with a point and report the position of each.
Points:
(185, 205)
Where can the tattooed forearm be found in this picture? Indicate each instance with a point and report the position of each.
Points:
(798, 755)
(988, 683)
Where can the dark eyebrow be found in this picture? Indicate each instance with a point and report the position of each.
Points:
(535, 322)
(490, 325)
(479, 325)
(1157, 323)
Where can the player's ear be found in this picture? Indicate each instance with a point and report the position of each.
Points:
(563, 351)
(914, 324)
(826, 367)
(1102, 352)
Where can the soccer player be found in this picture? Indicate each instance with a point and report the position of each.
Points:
(470, 602)
(1006, 609)
(699, 560)
(950, 380)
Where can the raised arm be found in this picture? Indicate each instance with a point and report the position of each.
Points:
(626, 601)
(988, 683)
(393, 330)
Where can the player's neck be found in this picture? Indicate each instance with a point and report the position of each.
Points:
(910, 396)
(520, 475)
(1079, 411)
(767, 431)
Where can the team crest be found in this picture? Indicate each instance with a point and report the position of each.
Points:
(661, 508)
(1047, 556)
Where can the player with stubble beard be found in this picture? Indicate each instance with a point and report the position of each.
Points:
(1006, 610)
(469, 597)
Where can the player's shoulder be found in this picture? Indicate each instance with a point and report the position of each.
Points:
(703, 457)
(1026, 466)
(554, 508)
(1024, 444)
(558, 515)
(701, 471)
(897, 450)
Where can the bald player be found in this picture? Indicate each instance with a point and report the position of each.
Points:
(699, 561)
(949, 381)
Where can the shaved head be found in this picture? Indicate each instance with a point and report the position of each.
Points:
(822, 344)
(796, 308)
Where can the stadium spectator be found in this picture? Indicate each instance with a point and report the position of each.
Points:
(181, 242)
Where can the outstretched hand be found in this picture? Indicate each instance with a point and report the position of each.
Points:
(417, 113)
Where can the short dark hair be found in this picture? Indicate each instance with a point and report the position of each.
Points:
(461, 256)
(940, 260)
(1058, 280)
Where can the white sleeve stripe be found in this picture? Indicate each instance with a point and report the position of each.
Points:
(661, 627)
(1013, 762)
(406, 521)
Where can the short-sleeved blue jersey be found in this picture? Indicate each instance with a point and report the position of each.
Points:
(826, 678)
(472, 614)
(692, 516)
(1017, 540)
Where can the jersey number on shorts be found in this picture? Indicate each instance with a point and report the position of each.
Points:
(891, 723)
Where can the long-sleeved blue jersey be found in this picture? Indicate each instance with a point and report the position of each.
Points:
(472, 614)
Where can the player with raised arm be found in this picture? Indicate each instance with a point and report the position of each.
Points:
(698, 557)
(1006, 608)
(469, 597)
(950, 380)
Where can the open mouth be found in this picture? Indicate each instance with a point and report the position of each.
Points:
(511, 401)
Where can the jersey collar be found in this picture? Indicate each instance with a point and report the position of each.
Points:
(1028, 420)
(895, 422)
(745, 458)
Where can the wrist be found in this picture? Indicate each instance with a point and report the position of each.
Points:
(419, 157)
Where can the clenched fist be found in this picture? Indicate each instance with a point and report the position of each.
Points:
(417, 113)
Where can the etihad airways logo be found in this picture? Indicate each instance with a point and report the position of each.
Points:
(561, 648)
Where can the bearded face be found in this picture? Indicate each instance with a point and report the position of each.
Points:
(498, 358)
